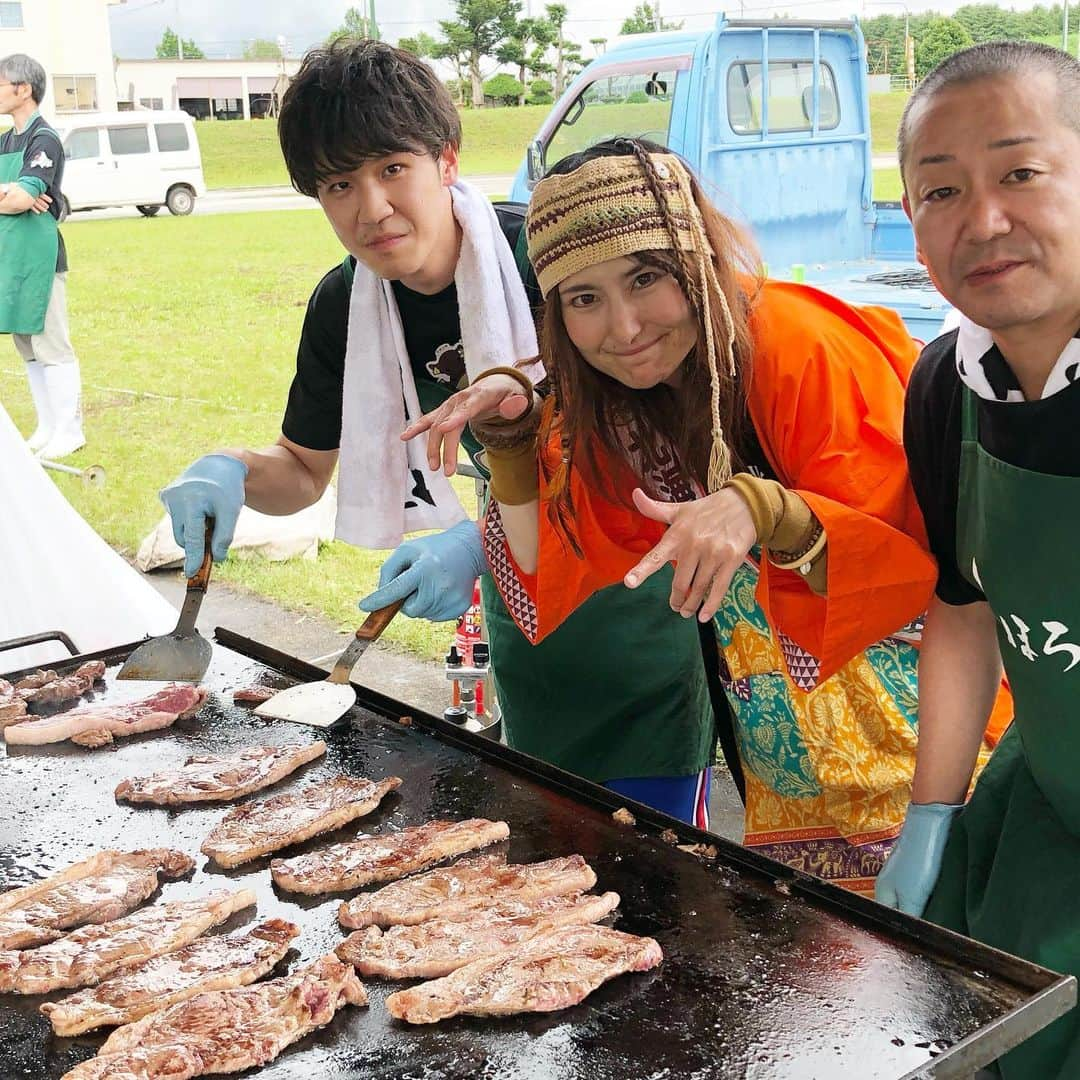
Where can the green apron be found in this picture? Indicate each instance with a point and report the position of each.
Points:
(1011, 872)
(617, 692)
(28, 249)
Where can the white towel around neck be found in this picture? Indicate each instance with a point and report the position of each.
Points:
(380, 475)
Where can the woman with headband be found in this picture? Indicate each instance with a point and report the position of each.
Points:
(747, 431)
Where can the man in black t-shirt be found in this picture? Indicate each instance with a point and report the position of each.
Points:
(33, 261)
(371, 133)
(990, 156)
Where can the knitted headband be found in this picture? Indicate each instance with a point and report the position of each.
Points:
(603, 210)
(606, 209)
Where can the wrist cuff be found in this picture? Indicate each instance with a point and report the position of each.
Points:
(515, 473)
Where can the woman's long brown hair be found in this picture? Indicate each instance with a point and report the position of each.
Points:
(590, 407)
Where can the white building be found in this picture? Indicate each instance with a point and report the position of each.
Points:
(222, 89)
(71, 40)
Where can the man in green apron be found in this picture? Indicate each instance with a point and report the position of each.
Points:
(33, 261)
(620, 692)
(990, 154)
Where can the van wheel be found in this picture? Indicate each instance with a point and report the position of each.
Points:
(180, 201)
(65, 209)
(149, 211)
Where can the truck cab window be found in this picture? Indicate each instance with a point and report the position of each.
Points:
(791, 97)
(637, 105)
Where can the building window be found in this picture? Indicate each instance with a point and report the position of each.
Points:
(152, 103)
(791, 97)
(171, 137)
(75, 93)
(11, 15)
(129, 140)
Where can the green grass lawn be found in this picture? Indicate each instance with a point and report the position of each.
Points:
(885, 110)
(186, 329)
(887, 185)
(245, 153)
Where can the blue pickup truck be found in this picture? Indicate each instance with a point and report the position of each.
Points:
(774, 117)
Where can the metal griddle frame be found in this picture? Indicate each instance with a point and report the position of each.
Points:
(1052, 994)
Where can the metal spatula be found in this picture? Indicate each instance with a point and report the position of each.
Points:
(184, 655)
(321, 703)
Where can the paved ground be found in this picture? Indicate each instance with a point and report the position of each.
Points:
(403, 677)
(250, 200)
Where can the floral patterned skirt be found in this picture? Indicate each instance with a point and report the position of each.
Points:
(828, 767)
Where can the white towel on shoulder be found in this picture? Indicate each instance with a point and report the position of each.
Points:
(385, 488)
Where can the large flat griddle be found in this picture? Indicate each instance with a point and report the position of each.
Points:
(767, 973)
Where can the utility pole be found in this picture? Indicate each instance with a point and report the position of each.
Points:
(179, 34)
(1065, 25)
(659, 23)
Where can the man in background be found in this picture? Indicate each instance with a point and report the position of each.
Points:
(33, 261)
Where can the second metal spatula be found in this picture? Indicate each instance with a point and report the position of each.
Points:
(321, 703)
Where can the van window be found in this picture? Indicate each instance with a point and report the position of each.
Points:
(791, 97)
(129, 140)
(637, 105)
(171, 137)
(84, 143)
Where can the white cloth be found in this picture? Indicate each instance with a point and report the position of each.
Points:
(382, 481)
(977, 358)
(56, 573)
(275, 537)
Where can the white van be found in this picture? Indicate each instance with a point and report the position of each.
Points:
(143, 159)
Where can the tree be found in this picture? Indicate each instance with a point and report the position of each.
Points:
(646, 19)
(169, 47)
(556, 16)
(514, 50)
(540, 92)
(940, 37)
(455, 48)
(598, 44)
(261, 49)
(423, 45)
(481, 27)
(358, 24)
(988, 22)
(504, 88)
(573, 61)
(936, 38)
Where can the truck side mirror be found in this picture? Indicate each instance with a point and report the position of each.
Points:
(536, 163)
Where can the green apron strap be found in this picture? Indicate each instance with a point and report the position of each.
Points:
(969, 416)
(521, 254)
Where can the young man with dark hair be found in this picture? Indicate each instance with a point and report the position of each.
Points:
(429, 296)
(990, 152)
(33, 260)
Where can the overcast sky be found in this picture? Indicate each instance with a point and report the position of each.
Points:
(221, 28)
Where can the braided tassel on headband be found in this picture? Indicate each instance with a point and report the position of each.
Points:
(720, 456)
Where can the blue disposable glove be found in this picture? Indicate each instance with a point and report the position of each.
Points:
(437, 573)
(909, 875)
(212, 487)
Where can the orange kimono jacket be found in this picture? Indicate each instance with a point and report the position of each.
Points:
(826, 398)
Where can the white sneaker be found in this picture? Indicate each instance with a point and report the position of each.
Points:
(64, 389)
(35, 375)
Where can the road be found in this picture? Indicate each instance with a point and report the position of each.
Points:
(249, 200)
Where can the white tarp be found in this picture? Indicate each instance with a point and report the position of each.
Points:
(56, 573)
